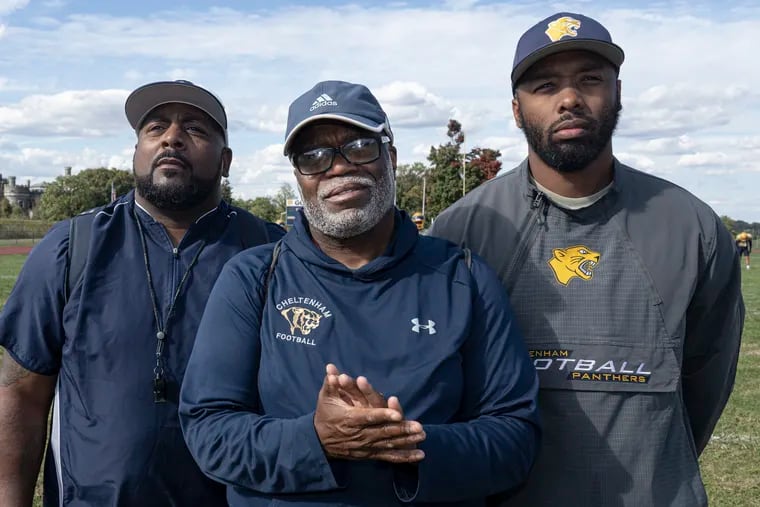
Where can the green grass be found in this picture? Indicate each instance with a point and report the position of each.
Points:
(10, 265)
(731, 462)
(19, 242)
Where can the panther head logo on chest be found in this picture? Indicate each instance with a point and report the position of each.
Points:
(573, 262)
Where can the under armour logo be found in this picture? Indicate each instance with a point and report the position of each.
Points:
(417, 326)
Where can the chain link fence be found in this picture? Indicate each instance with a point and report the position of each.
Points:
(22, 232)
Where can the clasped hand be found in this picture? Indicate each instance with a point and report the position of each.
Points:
(353, 421)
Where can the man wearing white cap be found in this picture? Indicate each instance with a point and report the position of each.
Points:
(103, 317)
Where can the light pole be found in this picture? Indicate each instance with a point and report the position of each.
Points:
(464, 173)
(424, 193)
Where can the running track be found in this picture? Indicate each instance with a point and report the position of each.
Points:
(15, 250)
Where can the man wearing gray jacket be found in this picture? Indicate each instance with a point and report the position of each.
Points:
(626, 286)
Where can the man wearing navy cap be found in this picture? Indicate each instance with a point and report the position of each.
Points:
(277, 401)
(625, 285)
(103, 317)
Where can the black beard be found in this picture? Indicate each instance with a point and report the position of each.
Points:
(575, 155)
(179, 195)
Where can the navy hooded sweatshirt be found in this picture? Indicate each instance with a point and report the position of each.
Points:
(415, 321)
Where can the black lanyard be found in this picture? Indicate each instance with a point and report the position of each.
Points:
(159, 381)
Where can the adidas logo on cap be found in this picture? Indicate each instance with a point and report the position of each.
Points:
(322, 100)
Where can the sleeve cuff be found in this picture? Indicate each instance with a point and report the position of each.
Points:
(406, 482)
(334, 473)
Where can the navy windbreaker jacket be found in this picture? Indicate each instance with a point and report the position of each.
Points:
(110, 444)
(415, 321)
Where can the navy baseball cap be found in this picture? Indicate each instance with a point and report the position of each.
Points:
(148, 97)
(336, 100)
(563, 31)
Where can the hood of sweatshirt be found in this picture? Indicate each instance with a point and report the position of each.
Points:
(402, 243)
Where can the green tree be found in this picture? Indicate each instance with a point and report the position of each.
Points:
(70, 195)
(6, 210)
(226, 190)
(409, 183)
(445, 182)
(280, 199)
(264, 207)
(730, 224)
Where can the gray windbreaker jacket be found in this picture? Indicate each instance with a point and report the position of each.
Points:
(632, 312)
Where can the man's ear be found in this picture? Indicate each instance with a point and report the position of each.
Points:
(516, 111)
(394, 155)
(226, 161)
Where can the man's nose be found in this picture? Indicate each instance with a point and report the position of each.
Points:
(341, 166)
(570, 99)
(173, 136)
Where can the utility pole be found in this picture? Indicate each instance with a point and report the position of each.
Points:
(424, 194)
(464, 173)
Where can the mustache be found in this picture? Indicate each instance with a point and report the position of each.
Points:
(328, 186)
(170, 154)
(571, 117)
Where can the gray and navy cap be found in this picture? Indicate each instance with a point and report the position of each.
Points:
(336, 100)
(563, 31)
(148, 97)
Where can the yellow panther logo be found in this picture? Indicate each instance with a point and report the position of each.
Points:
(301, 319)
(563, 27)
(573, 262)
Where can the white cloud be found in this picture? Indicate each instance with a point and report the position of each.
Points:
(40, 164)
(703, 159)
(641, 162)
(665, 145)
(261, 173)
(8, 6)
(409, 104)
(81, 113)
(682, 109)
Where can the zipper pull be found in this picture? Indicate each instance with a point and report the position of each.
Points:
(175, 251)
(537, 200)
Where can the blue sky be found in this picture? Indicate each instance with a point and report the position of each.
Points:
(690, 92)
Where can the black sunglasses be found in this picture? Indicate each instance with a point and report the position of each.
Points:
(319, 160)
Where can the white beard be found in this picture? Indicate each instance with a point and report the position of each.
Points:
(353, 221)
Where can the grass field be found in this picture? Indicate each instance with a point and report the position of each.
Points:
(731, 462)
(19, 242)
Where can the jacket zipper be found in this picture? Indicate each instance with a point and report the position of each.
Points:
(538, 208)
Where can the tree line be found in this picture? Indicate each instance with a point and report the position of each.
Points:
(449, 174)
(737, 226)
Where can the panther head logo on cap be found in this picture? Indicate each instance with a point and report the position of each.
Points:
(563, 27)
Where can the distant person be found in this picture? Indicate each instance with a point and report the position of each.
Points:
(110, 352)
(277, 401)
(744, 246)
(625, 285)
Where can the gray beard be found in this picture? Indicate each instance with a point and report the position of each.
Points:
(354, 221)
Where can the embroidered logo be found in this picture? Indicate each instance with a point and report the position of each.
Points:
(563, 27)
(301, 319)
(323, 100)
(429, 327)
(303, 315)
(573, 262)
